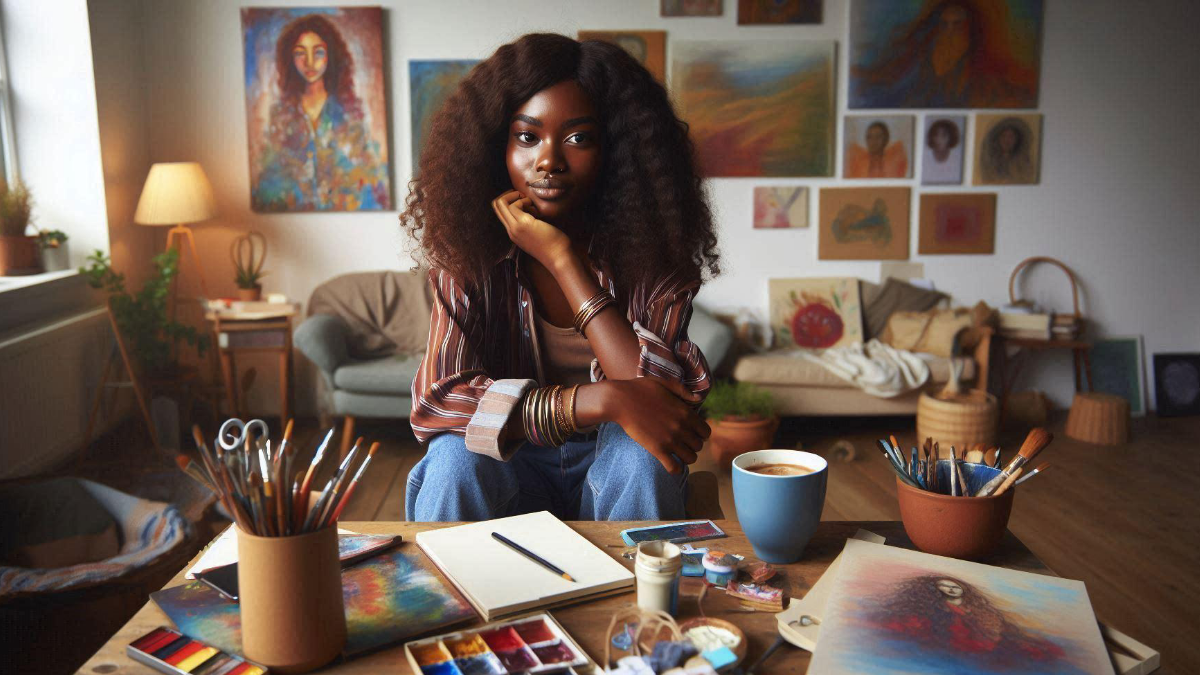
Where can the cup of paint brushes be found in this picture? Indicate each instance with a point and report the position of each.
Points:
(290, 596)
(955, 526)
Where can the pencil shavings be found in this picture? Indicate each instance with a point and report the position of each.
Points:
(758, 596)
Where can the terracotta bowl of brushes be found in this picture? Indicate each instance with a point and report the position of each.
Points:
(969, 528)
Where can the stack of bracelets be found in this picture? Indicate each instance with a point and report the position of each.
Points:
(549, 412)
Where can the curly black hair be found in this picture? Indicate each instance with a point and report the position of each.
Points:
(649, 213)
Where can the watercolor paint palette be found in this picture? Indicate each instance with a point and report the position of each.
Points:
(530, 644)
(169, 651)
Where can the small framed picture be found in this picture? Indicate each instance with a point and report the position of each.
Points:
(1177, 384)
(1118, 367)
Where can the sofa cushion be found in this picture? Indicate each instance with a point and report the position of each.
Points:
(789, 368)
(896, 296)
(390, 375)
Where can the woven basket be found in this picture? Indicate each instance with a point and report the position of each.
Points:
(1074, 321)
(1102, 419)
(960, 420)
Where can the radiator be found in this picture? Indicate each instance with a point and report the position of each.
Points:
(48, 376)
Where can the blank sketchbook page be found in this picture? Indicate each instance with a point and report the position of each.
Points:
(497, 580)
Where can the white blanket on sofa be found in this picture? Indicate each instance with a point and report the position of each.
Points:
(876, 368)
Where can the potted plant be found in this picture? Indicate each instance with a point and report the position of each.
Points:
(142, 317)
(54, 250)
(19, 253)
(248, 280)
(742, 418)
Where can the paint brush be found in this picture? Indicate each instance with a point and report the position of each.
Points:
(953, 473)
(221, 478)
(194, 471)
(897, 467)
(1031, 474)
(340, 478)
(306, 484)
(1034, 443)
(345, 498)
(1008, 482)
(962, 480)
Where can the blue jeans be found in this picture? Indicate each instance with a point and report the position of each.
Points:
(603, 476)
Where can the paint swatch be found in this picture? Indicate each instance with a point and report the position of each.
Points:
(529, 645)
(169, 651)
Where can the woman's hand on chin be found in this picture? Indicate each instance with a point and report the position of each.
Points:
(546, 243)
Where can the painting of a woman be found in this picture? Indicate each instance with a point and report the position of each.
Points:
(317, 129)
(1007, 149)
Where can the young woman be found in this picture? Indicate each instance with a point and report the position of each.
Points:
(558, 204)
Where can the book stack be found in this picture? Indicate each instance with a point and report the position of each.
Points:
(1037, 326)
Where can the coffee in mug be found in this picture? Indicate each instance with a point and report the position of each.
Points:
(780, 469)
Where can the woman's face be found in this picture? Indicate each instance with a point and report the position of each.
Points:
(310, 56)
(1008, 140)
(949, 588)
(554, 152)
(940, 139)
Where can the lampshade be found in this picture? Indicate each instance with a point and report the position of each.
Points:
(175, 192)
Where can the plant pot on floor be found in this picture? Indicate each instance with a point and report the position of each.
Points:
(732, 437)
(20, 256)
(250, 294)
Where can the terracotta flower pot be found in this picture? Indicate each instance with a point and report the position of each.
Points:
(20, 256)
(250, 294)
(731, 437)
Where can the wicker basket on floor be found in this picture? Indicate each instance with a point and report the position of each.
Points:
(953, 417)
(1098, 418)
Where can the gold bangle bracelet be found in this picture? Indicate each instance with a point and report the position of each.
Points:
(589, 308)
(595, 310)
(527, 409)
(570, 411)
(552, 406)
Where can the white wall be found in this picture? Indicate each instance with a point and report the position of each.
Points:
(49, 51)
(1117, 199)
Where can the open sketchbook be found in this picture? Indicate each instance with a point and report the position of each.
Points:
(498, 581)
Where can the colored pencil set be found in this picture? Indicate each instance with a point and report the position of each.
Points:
(958, 476)
(264, 487)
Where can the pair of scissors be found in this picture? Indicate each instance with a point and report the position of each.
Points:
(234, 433)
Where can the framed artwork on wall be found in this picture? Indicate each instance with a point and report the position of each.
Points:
(957, 222)
(756, 12)
(690, 7)
(863, 224)
(430, 83)
(936, 54)
(649, 47)
(316, 116)
(1118, 367)
(1007, 149)
(1177, 384)
(757, 107)
(780, 207)
(942, 149)
(878, 147)
(815, 313)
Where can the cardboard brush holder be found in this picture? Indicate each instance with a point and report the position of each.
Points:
(290, 589)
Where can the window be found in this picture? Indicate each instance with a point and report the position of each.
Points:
(8, 154)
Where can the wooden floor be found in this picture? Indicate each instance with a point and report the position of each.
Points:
(1125, 520)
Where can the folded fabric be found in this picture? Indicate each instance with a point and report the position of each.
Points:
(876, 368)
(387, 312)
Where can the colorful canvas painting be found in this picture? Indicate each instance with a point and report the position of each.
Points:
(780, 207)
(1118, 368)
(757, 108)
(1177, 384)
(940, 54)
(893, 610)
(388, 598)
(1007, 149)
(649, 47)
(942, 149)
(863, 224)
(753, 12)
(957, 222)
(815, 313)
(316, 116)
(878, 147)
(690, 7)
(430, 84)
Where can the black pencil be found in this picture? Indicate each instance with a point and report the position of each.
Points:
(531, 555)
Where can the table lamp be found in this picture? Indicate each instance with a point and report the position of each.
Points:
(177, 193)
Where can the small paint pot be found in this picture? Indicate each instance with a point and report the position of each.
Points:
(969, 528)
(657, 569)
(715, 573)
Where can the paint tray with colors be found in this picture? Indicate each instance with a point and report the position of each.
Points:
(531, 644)
(169, 651)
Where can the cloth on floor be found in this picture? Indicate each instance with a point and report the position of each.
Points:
(387, 312)
(876, 368)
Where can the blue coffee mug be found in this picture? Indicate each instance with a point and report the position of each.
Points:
(779, 513)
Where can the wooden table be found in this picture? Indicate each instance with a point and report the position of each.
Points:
(587, 622)
(246, 336)
(1009, 372)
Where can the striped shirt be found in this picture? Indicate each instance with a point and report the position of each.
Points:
(483, 354)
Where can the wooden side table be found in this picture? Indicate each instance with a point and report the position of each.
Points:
(235, 335)
(1080, 361)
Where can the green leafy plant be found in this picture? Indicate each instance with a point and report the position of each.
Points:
(52, 238)
(738, 401)
(16, 209)
(142, 317)
(248, 278)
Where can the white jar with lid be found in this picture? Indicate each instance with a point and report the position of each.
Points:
(657, 569)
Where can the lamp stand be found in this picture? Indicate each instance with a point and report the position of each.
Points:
(182, 231)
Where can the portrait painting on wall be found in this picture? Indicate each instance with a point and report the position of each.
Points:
(649, 47)
(863, 224)
(894, 610)
(780, 207)
(315, 109)
(942, 149)
(945, 53)
(815, 313)
(430, 84)
(690, 7)
(757, 108)
(957, 222)
(878, 147)
(753, 12)
(1007, 149)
